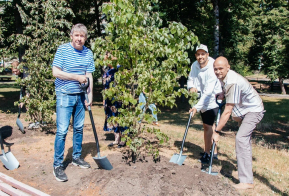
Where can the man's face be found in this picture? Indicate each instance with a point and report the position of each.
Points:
(78, 39)
(202, 56)
(16, 71)
(221, 69)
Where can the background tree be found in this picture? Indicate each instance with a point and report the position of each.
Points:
(151, 59)
(45, 29)
(272, 40)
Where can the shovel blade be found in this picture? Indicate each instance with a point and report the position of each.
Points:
(212, 173)
(176, 158)
(103, 163)
(20, 125)
(9, 161)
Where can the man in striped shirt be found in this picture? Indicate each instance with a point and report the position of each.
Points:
(73, 64)
(246, 107)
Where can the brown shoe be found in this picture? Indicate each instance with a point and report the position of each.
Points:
(243, 186)
(156, 124)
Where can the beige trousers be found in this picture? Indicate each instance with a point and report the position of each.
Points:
(244, 146)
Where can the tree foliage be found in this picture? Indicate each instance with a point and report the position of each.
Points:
(151, 57)
(272, 39)
(45, 29)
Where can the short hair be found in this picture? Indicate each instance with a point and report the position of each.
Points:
(15, 63)
(79, 27)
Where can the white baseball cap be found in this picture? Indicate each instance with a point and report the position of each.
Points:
(202, 47)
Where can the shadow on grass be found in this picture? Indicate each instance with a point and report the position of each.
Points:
(267, 183)
(191, 148)
(87, 148)
(7, 100)
(177, 115)
(273, 130)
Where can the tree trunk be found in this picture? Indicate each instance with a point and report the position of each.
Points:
(283, 91)
(216, 28)
(97, 5)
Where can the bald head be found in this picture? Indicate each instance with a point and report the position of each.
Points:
(221, 67)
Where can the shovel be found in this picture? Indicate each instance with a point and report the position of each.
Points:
(102, 162)
(179, 158)
(8, 159)
(18, 122)
(214, 144)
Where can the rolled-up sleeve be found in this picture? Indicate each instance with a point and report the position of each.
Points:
(58, 59)
(233, 94)
(190, 82)
(91, 66)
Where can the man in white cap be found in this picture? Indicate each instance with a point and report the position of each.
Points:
(202, 78)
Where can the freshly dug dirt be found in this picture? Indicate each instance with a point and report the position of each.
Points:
(34, 151)
(149, 178)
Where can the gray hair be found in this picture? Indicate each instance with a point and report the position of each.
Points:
(79, 27)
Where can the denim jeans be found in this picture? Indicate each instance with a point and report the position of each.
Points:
(68, 105)
(152, 107)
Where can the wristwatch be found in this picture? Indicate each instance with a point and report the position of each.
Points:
(217, 131)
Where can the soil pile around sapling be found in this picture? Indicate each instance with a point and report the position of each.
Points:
(34, 151)
(149, 178)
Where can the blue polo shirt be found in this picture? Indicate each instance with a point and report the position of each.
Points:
(71, 60)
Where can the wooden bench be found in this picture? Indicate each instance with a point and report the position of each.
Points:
(5, 77)
(10, 186)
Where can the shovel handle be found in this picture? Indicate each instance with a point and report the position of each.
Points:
(84, 87)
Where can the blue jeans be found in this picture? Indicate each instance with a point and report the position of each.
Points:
(68, 105)
(152, 107)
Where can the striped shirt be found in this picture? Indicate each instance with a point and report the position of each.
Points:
(73, 61)
(240, 92)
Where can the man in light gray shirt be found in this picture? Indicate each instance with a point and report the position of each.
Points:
(246, 107)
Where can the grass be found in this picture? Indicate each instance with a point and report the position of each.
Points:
(270, 145)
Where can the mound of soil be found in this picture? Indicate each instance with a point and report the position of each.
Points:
(150, 178)
(34, 151)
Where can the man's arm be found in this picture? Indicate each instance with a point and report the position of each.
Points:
(58, 73)
(223, 120)
(90, 88)
(190, 82)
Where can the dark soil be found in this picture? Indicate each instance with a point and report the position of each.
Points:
(34, 151)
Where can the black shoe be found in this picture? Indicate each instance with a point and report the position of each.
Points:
(111, 144)
(215, 155)
(81, 163)
(59, 174)
(205, 159)
(121, 144)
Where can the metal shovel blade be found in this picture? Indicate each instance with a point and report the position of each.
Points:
(178, 159)
(20, 125)
(103, 163)
(212, 173)
(9, 160)
(208, 172)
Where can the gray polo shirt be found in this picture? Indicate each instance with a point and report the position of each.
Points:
(240, 92)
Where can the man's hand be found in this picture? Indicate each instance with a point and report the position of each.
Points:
(82, 79)
(193, 90)
(21, 104)
(87, 104)
(220, 96)
(194, 110)
(216, 136)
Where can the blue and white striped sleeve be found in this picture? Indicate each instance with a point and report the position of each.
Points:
(58, 59)
(91, 66)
